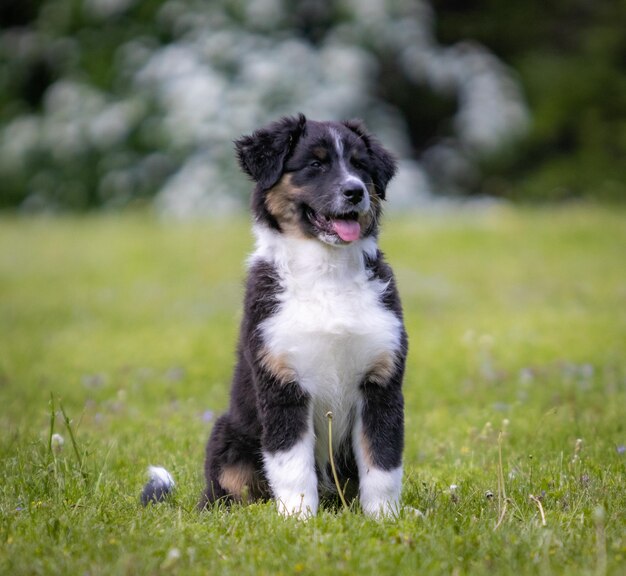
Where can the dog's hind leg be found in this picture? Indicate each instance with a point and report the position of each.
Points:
(233, 467)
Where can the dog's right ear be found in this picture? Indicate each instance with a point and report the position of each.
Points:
(263, 154)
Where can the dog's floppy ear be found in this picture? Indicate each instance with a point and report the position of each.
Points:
(263, 154)
(383, 165)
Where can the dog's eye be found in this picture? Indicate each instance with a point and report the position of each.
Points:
(315, 164)
(357, 163)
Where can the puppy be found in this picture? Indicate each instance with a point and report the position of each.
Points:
(322, 329)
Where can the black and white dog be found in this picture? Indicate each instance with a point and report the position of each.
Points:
(322, 329)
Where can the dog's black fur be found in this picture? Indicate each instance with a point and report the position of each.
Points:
(317, 182)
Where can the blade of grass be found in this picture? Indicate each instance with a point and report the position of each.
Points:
(52, 422)
(68, 425)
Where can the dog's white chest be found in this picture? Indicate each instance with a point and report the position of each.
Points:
(331, 332)
(330, 328)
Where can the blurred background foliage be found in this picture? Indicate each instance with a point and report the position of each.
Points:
(110, 103)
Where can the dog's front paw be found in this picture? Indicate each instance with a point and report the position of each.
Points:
(300, 506)
(381, 508)
(292, 478)
(379, 492)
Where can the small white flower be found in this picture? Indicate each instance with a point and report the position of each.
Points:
(57, 442)
(486, 341)
(173, 556)
(599, 514)
(469, 337)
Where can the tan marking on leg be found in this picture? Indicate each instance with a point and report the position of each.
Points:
(382, 369)
(237, 479)
(366, 449)
(277, 365)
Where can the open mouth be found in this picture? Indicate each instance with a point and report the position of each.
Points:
(344, 226)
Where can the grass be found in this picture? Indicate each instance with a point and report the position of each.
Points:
(117, 333)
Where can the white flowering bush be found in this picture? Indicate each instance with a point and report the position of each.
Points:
(155, 114)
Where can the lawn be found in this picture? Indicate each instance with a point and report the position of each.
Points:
(117, 333)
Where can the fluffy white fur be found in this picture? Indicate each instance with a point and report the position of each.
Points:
(291, 474)
(379, 490)
(159, 486)
(331, 328)
(161, 476)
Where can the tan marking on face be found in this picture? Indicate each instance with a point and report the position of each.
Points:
(383, 369)
(277, 365)
(374, 198)
(320, 153)
(282, 203)
(366, 220)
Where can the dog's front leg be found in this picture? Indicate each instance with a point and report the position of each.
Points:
(378, 440)
(289, 447)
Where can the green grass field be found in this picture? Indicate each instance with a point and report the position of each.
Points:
(515, 399)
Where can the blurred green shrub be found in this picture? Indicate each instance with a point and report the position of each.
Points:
(571, 59)
(114, 102)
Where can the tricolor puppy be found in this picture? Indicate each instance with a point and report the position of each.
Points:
(322, 328)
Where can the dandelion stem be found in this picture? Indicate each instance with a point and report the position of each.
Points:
(329, 415)
(506, 501)
(538, 502)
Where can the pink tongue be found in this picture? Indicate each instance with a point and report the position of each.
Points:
(347, 230)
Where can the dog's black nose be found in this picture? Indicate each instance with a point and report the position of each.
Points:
(353, 193)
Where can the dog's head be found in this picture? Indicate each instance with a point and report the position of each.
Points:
(323, 180)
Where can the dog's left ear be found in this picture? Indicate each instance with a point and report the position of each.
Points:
(263, 154)
(383, 163)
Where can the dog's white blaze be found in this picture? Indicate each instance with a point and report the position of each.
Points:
(338, 141)
(292, 477)
(331, 327)
(347, 176)
(379, 490)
